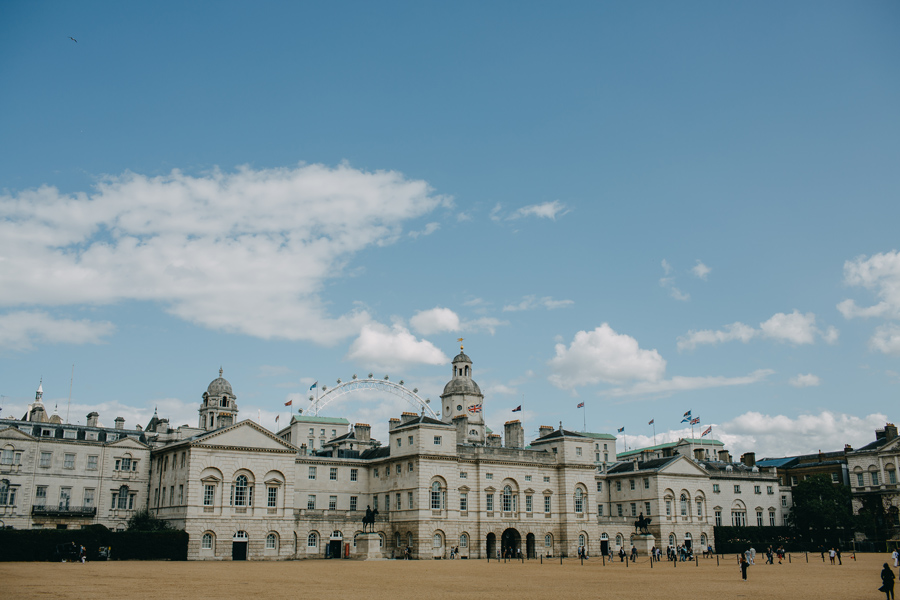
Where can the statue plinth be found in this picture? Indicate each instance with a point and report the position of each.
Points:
(368, 547)
(643, 542)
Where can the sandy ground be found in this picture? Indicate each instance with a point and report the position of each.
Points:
(445, 580)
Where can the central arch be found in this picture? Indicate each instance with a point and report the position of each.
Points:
(491, 545)
(530, 550)
(511, 543)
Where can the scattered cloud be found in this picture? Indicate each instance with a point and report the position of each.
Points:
(435, 320)
(808, 380)
(429, 229)
(380, 347)
(664, 387)
(879, 273)
(669, 283)
(21, 330)
(795, 328)
(265, 240)
(495, 212)
(700, 270)
(547, 210)
(602, 355)
(532, 302)
(886, 339)
(667, 268)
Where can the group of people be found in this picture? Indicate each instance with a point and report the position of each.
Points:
(454, 552)
(682, 553)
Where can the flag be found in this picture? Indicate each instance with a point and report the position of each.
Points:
(475, 408)
(580, 405)
(706, 431)
(276, 418)
(289, 402)
(620, 430)
(518, 408)
(314, 385)
(687, 414)
(651, 422)
(686, 419)
(695, 420)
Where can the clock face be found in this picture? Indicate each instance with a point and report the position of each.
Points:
(459, 407)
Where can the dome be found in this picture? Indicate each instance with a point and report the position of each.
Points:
(219, 386)
(462, 385)
(462, 357)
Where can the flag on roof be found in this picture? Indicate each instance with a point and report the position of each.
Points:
(314, 385)
(518, 408)
(687, 419)
(276, 418)
(651, 421)
(695, 420)
(475, 408)
(687, 414)
(706, 431)
(289, 402)
(580, 405)
(621, 429)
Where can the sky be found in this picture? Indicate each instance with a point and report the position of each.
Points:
(648, 208)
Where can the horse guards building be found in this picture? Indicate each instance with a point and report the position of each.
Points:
(244, 492)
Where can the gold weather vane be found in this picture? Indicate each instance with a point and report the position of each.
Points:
(460, 340)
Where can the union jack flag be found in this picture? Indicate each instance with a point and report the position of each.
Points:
(706, 431)
(695, 420)
(475, 408)
(580, 405)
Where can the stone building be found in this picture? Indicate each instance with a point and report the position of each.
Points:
(873, 483)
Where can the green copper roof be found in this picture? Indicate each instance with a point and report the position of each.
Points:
(671, 445)
(598, 436)
(321, 420)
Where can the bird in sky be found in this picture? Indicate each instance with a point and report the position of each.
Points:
(73, 39)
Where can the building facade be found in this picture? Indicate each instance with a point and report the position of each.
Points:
(873, 483)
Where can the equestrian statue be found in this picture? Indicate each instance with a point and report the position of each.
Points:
(642, 524)
(369, 519)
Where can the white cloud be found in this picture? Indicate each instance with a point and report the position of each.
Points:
(879, 273)
(248, 251)
(489, 324)
(602, 355)
(700, 270)
(679, 383)
(796, 328)
(886, 339)
(429, 229)
(669, 283)
(678, 294)
(380, 347)
(780, 435)
(808, 380)
(20, 330)
(500, 389)
(495, 212)
(532, 302)
(667, 268)
(435, 320)
(547, 210)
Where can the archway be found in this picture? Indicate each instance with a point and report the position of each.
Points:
(239, 545)
(335, 545)
(530, 550)
(604, 544)
(491, 545)
(511, 543)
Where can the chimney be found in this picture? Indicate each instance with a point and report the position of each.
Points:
(634, 465)
(363, 432)
(162, 426)
(493, 440)
(393, 422)
(92, 419)
(848, 448)
(544, 430)
(138, 427)
(890, 431)
(514, 433)
(461, 422)
(120, 423)
(723, 456)
(698, 453)
(749, 459)
(408, 416)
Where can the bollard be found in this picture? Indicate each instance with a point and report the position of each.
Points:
(789, 559)
(560, 558)
(604, 560)
(675, 563)
(626, 561)
(717, 560)
(542, 559)
(582, 561)
(696, 561)
(807, 557)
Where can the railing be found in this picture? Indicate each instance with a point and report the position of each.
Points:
(64, 511)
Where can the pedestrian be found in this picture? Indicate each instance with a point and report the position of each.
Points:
(887, 582)
(82, 554)
(752, 556)
(769, 556)
(838, 552)
(831, 555)
(633, 553)
(621, 554)
(745, 564)
(896, 556)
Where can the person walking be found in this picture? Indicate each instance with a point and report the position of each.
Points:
(745, 564)
(896, 556)
(831, 555)
(887, 582)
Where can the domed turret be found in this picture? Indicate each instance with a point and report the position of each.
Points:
(219, 407)
(463, 398)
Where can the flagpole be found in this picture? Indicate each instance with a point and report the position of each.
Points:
(654, 432)
(584, 415)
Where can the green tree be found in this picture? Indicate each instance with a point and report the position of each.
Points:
(821, 514)
(142, 520)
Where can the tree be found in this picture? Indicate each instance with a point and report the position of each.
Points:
(821, 513)
(142, 520)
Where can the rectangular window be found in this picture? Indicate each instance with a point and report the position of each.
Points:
(332, 474)
(69, 461)
(892, 477)
(209, 494)
(437, 440)
(410, 440)
(332, 502)
(409, 467)
(769, 489)
(45, 458)
(875, 478)
(599, 486)
(312, 472)
(578, 451)
(183, 458)
(272, 497)
(784, 500)
(618, 486)
(631, 483)
(180, 494)
(759, 518)
(528, 478)
(40, 495)
(65, 496)
(737, 488)
(354, 474)
(375, 503)
(547, 506)
(397, 498)
(859, 476)
(757, 489)
(6, 457)
(387, 502)
(793, 480)
(488, 475)
(529, 503)
(70, 434)
(490, 503)
(633, 509)
(463, 501)
(88, 497)
(546, 479)
(322, 432)
(409, 500)
(399, 468)
(311, 502)
(699, 508)
(835, 478)
(668, 508)
(646, 483)
(738, 518)
(718, 518)
(772, 518)
(312, 431)
(597, 456)
(599, 510)
(646, 509)
(92, 462)
(715, 488)
(463, 475)
(605, 457)
(352, 502)
(399, 442)
(619, 510)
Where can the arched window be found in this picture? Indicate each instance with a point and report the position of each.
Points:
(4, 493)
(548, 541)
(703, 540)
(381, 540)
(579, 501)
(397, 539)
(122, 500)
(240, 491)
(581, 540)
(684, 505)
(436, 496)
(619, 540)
(464, 541)
(409, 539)
(241, 536)
(506, 498)
(312, 540)
(271, 542)
(437, 541)
(672, 539)
(206, 543)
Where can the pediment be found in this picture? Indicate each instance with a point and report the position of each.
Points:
(529, 491)
(245, 434)
(128, 443)
(210, 479)
(273, 481)
(464, 488)
(490, 488)
(11, 433)
(683, 466)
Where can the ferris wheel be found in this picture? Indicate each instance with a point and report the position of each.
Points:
(369, 384)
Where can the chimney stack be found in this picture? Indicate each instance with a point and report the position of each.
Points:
(515, 434)
(723, 456)
(749, 459)
(544, 430)
(120, 423)
(363, 432)
(93, 419)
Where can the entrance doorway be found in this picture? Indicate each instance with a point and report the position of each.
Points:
(511, 543)
(604, 544)
(491, 545)
(530, 551)
(239, 545)
(335, 544)
(688, 541)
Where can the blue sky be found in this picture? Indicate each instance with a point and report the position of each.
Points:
(647, 207)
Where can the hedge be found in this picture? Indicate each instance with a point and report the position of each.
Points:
(734, 540)
(41, 544)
